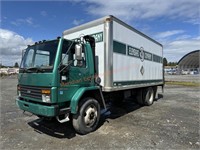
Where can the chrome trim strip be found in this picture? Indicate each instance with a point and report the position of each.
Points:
(126, 87)
(108, 53)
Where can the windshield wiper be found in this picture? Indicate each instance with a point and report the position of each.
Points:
(25, 70)
(36, 69)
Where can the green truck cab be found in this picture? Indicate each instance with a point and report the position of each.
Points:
(58, 79)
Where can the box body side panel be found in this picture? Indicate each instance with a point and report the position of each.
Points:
(136, 59)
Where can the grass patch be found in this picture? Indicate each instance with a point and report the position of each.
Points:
(182, 83)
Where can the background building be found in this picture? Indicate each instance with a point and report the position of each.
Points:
(189, 64)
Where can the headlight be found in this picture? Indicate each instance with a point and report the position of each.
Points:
(46, 95)
(45, 98)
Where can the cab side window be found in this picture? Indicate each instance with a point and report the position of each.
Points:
(68, 57)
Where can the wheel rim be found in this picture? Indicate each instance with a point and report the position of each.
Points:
(90, 115)
(150, 96)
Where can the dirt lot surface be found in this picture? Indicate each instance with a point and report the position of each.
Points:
(172, 122)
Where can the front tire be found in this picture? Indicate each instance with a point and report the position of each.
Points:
(87, 119)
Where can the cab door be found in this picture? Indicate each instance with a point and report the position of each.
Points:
(76, 75)
(79, 72)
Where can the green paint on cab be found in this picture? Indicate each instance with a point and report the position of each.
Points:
(77, 96)
(38, 109)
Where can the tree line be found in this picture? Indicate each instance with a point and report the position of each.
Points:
(166, 63)
(16, 65)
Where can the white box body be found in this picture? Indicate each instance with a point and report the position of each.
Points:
(127, 58)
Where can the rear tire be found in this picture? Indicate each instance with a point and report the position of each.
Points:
(145, 96)
(155, 92)
(148, 96)
(87, 119)
(139, 97)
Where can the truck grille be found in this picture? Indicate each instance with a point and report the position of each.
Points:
(32, 92)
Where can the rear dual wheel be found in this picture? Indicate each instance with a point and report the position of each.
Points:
(146, 96)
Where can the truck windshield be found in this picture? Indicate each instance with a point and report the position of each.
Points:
(39, 57)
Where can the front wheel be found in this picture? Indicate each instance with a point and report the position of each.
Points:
(87, 119)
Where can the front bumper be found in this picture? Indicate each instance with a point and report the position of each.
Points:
(38, 109)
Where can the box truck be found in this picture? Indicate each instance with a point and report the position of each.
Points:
(74, 76)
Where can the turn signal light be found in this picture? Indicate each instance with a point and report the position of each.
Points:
(46, 91)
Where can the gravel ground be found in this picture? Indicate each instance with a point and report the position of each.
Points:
(172, 122)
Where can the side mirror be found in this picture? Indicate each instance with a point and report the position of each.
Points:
(78, 51)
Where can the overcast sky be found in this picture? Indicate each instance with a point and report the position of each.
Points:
(173, 23)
